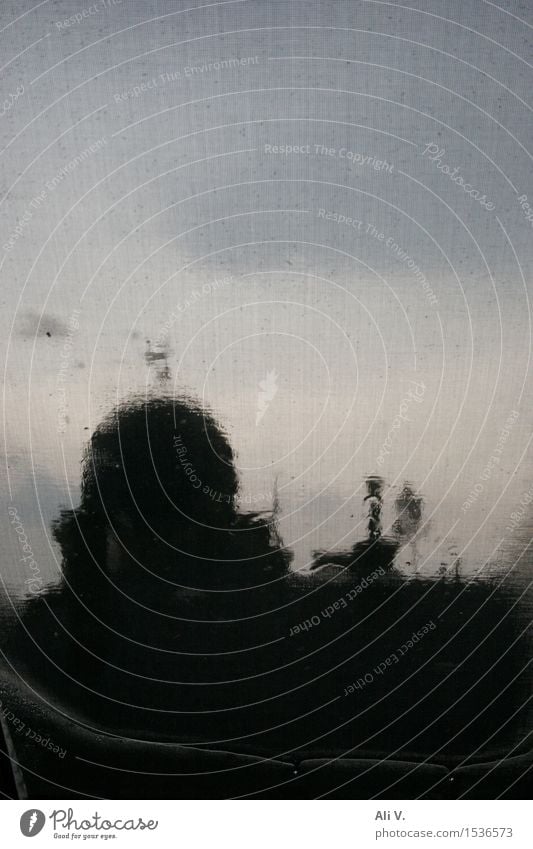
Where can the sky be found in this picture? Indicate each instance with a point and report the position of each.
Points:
(317, 209)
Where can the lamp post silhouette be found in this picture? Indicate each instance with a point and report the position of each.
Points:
(374, 486)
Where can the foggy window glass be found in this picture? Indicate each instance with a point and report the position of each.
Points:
(266, 336)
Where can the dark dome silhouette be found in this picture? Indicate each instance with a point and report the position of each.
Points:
(158, 475)
(154, 458)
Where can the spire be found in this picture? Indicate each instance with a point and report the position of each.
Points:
(157, 358)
